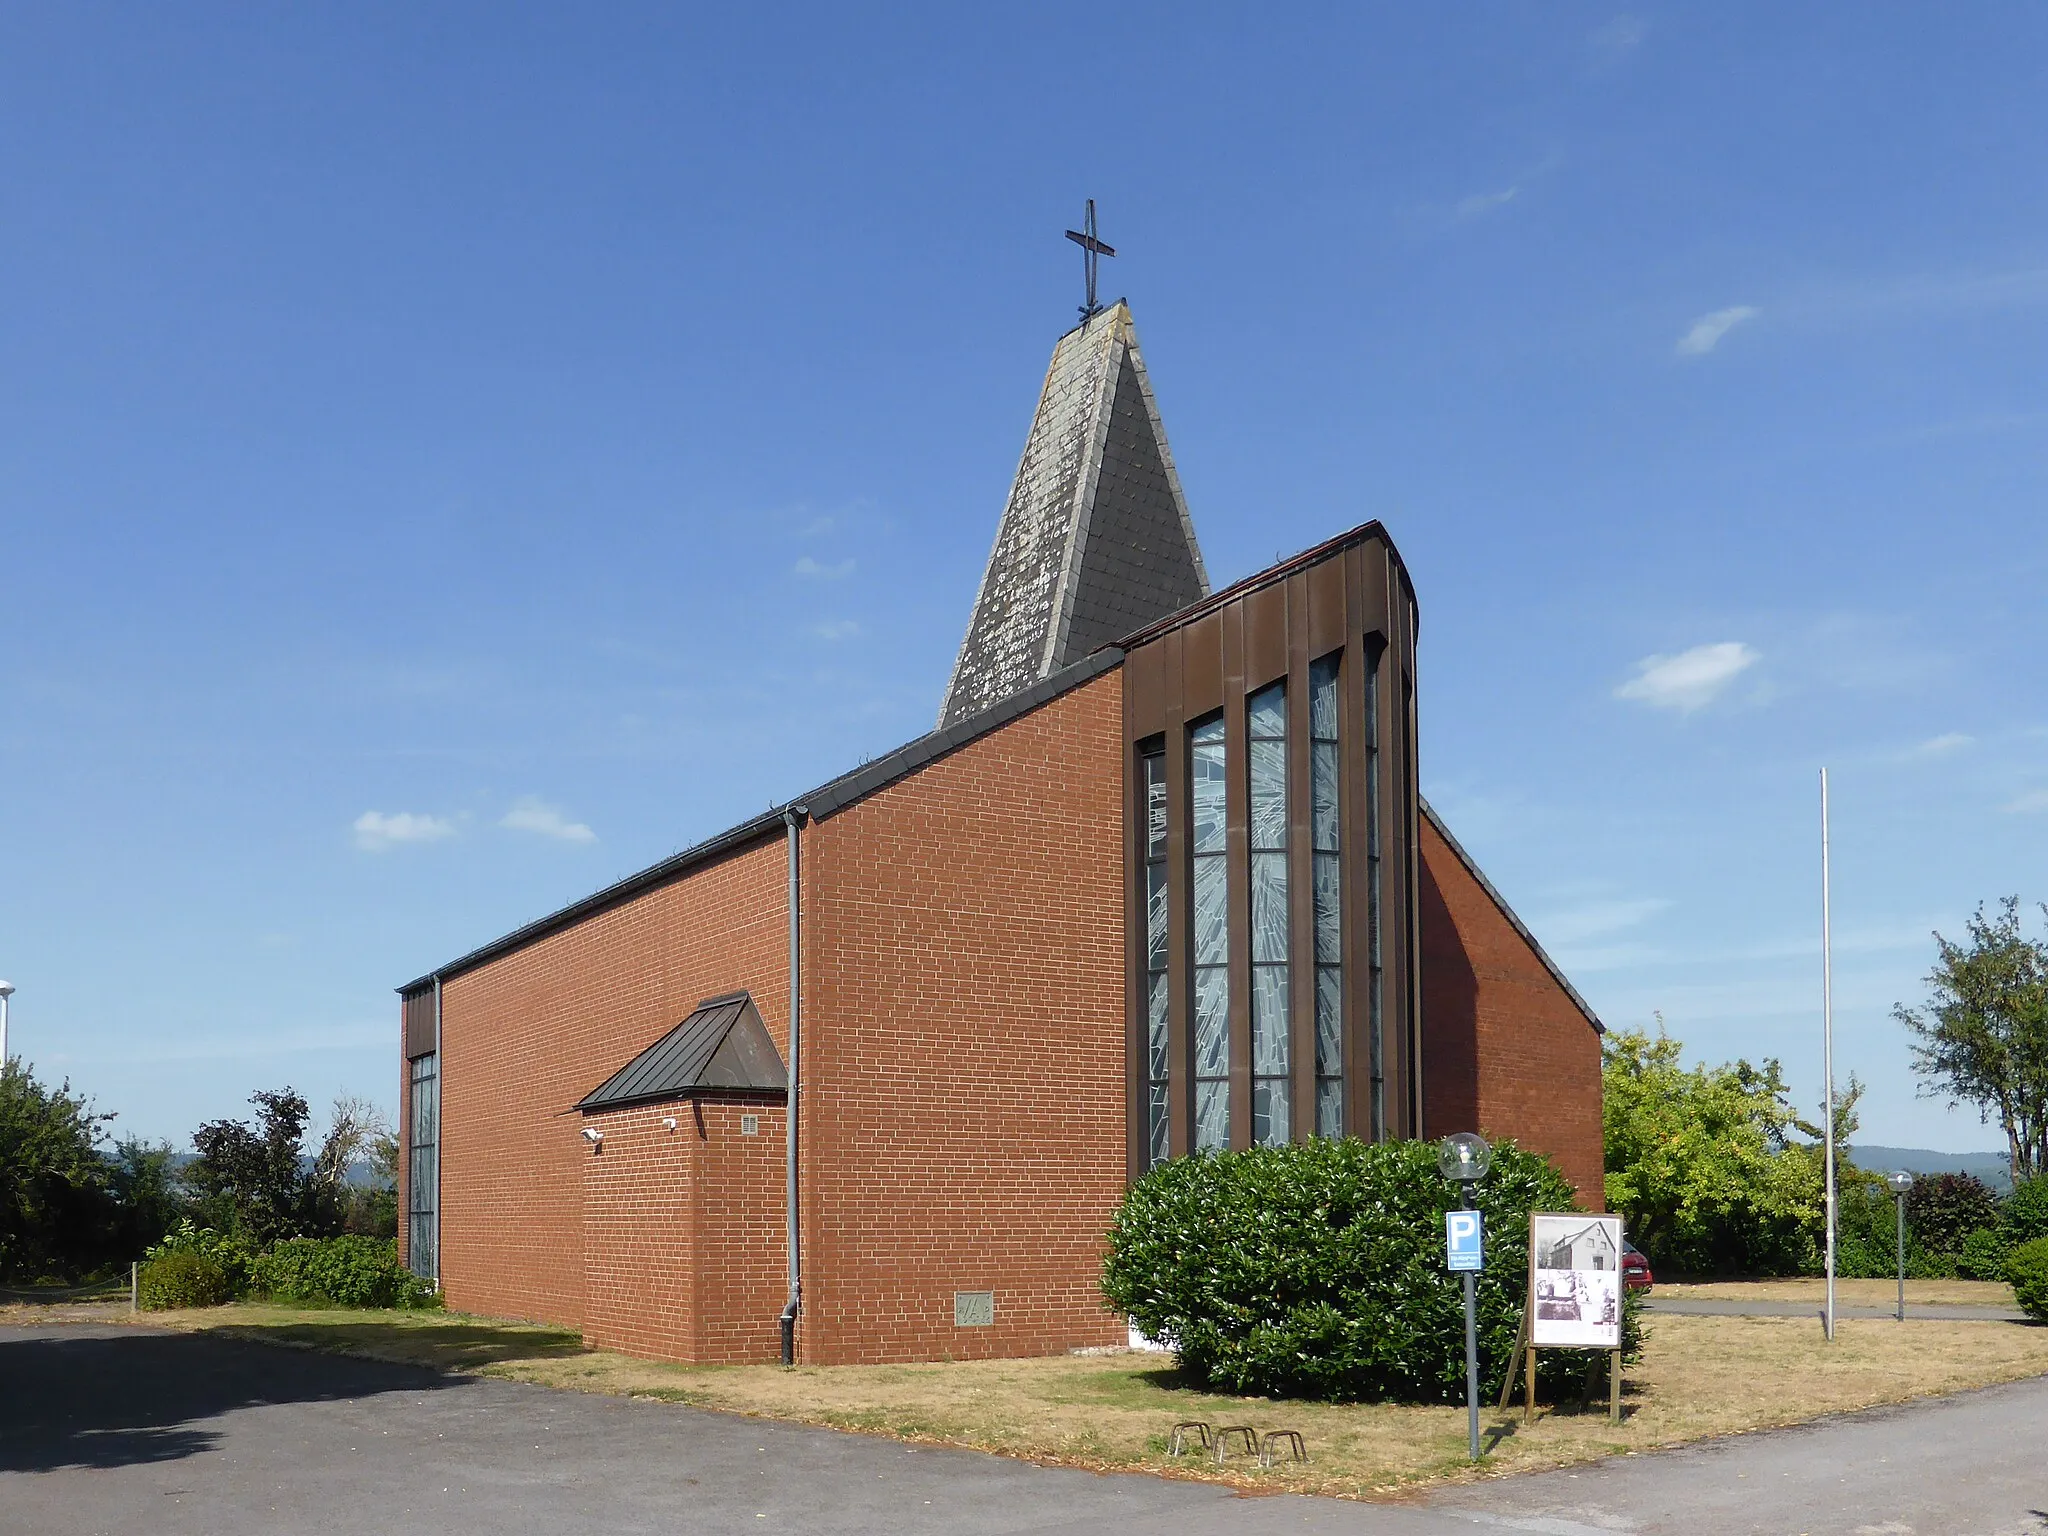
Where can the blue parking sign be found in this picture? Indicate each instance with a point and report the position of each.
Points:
(1464, 1244)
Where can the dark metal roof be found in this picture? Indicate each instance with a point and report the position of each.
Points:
(722, 1045)
(1472, 868)
(826, 800)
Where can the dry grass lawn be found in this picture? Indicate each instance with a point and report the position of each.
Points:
(1702, 1376)
(1848, 1293)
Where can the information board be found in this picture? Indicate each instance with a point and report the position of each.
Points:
(1574, 1281)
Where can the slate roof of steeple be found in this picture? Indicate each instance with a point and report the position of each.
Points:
(1095, 541)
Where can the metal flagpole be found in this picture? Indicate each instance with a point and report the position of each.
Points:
(1827, 1015)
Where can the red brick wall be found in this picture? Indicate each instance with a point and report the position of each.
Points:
(964, 1107)
(1505, 1050)
(683, 1245)
(528, 1034)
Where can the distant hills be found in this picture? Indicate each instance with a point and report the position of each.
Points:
(1991, 1167)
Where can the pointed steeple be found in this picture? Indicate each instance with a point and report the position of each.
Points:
(1095, 541)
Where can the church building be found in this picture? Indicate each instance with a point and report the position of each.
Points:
(863, 1078)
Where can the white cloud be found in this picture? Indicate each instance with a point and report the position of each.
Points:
(836, 629)
(534, 815)
(1485, 202)
(1943, 745)
(376, 831)
(1614, 40)
(2033, 800)
(1690, 679)
(1707, 331)
(806, 566)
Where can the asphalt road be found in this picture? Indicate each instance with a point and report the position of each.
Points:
(119, 1430)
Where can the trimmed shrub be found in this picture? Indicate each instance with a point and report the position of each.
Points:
(229, 1252)
(340, 1271)
(1983, 1255)
(2027, 1268)
(181, 1279)
(1317, 1269)
(2025, 1216)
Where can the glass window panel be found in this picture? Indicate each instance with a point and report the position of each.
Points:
(1322, 698)
(1159, 1143)
(1269, 1113)
(1155, 917)
(1329, 910)
(1208, 733)
(1329, 1021)
(1269, 1020)
(1269, 794)
(1212, 1116)
(1269, 907)
(1155, 1031)
(1266, 712)
(1212, 1021)
(1209, 795)
(1322, 774)
(1330, 1108)
(1155, 805)
(1212, 912)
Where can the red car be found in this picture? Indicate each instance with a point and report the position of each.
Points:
(1635, 1269)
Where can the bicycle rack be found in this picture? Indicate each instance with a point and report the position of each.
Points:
(1190, 1430)
(1297, 1450)
(1247, 1436)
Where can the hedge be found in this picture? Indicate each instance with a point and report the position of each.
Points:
(341, 1271)
(1317, 1270)
(2027, 1268)
(181, 1278)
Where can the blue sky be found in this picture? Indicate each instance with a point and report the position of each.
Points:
(451, 457)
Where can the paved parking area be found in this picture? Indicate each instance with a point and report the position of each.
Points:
(119, 1430)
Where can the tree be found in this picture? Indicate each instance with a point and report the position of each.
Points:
(1982, 1037)
(357, 1132)
(1702, 1163)
(55, 1200)
(248, 1178)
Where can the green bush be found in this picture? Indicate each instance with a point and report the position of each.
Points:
(1317, 1269)
(181, 1279)
(1983, 1255)
(2025, 1216)
(1944, 1209)
(341, 1271)
(231, 1253)
(2027, 1268)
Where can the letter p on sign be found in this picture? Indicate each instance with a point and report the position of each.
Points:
(1463, 1245)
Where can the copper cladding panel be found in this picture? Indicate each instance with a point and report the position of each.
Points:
(1174, 675)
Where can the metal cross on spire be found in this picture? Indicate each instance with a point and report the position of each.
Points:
(1091, 250)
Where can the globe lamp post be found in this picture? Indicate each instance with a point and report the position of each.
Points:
(1902, 1185)
(1463, 1159)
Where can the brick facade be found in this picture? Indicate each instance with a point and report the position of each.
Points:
(964, 1098)
(526, 1035)
(1506, 1050)
(963, 1110)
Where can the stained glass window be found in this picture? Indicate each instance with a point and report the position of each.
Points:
(1157, 1056)
(1266, 733)
(1324, 779)
(1375, 959)
(423, 1169)
(1208, 780)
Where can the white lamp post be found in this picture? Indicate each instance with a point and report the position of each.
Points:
(6, 991)
(1902, 1186)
